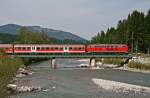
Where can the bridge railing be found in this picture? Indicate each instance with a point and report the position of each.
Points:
(72, 56)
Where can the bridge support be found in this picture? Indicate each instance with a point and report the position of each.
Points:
(53, 63)
(92, 62)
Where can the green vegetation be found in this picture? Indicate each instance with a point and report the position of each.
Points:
(134, 31)
(7, 38)
(26, 36)
(115, 61)
(8, 69)
(139, 65)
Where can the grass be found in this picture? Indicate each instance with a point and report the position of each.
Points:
(8, 70)
(115, 61)
(139, 65)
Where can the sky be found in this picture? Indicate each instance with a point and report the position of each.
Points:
(81, 17)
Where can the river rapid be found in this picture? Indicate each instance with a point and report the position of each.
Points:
(72, 82)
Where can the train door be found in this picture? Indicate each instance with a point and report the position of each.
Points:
(33, 49)
(66, 49)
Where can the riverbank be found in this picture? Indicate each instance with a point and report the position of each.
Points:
(8, 70)
(136, 64)
(25, 85)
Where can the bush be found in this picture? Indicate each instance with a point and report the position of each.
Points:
(115, 61)
(138, 65)
(8, 69)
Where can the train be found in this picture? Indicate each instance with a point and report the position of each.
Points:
(60, 49)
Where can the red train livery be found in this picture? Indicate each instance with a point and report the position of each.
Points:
(107, 48)
(45, 48)
(8, 48)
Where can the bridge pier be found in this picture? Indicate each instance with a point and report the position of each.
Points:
(92, 62)
(53, 64)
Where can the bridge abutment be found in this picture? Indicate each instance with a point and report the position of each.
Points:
(92, 62)
(53, 64)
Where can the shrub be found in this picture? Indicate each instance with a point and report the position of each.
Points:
(8, 69)
(139, 65)
(114, 61)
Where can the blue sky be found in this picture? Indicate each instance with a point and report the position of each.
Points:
(82, 17)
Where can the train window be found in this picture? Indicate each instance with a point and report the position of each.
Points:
(66, 48)
(28, 48)
(79, 48)
(38, 48)
(56, 48)
(61, 48)
(23, 48)
(47, 48)
(75, 48)
(70, 48)
(19, 48)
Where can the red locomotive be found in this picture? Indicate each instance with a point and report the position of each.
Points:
(74, 49)
(107, 48)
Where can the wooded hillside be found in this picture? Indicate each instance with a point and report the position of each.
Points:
(134, 31)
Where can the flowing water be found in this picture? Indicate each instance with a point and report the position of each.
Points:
(71, 82)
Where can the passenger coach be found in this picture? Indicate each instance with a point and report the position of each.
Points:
(49, 48)
(8, 48)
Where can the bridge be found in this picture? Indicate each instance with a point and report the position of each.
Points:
(92, 57)
(72, 55)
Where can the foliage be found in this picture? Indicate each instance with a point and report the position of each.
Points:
(135, 29)
(115, 61)
(7, 38)
(28, 37)
(8, 69)
(139, 65)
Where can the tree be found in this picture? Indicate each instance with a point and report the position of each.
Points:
(28, 37)
(134, 31)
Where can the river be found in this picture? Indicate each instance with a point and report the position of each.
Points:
(71, 82)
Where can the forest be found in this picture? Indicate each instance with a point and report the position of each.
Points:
(133, 31)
